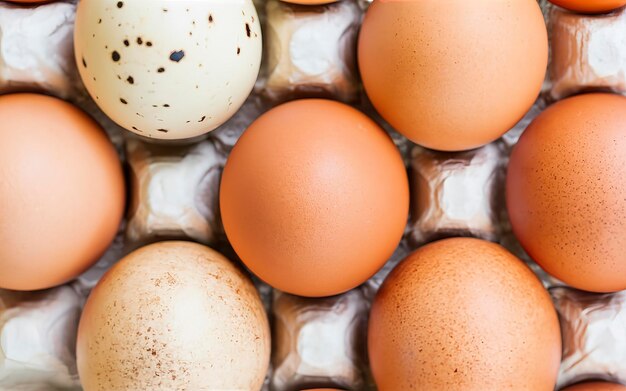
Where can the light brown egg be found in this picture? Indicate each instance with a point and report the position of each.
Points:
(62, 191)
(463, 314)
(314, 197)
(590, 7)
(173, 316)
(595, 386)
(453, 75)
(566, 191)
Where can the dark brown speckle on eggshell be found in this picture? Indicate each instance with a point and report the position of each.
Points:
(177, 55)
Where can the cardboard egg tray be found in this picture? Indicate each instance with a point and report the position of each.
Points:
(316, 342)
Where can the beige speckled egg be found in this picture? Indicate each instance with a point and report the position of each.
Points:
(173, 316)
(168, 69)
(595, 386)
(566, 193)
(463, 314)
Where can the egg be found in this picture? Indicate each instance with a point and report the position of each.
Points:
(463, 314)
(62, 190)
(590, 7)
(565, 191)
(314, 197)
(453, 75)
(595, 386)
(173, 70)
(173, 316)
(310, 2)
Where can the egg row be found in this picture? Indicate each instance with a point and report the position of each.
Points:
(484, 339)
(139, 69)
(316, 196)
(316, 342)
(586, 51)
(149, 106)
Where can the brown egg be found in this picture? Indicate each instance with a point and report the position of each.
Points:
(310, 2)
(463, 314)
(565, 191)
(453, 75)
(595, 386)
(314, 197)
(62, 191)
(173, 316)
(590, 7)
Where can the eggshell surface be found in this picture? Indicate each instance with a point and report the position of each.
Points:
(173, 316)
(62, 192)
(170, 70)
(463, 314)
(590, 7)
(453, 75)
(314, 197)
(310, 2)
(595, 386)
(565, 191)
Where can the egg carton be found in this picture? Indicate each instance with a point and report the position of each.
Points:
(37, 330)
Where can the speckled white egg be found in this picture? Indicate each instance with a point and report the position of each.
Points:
(173, 316)
(168, 69)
